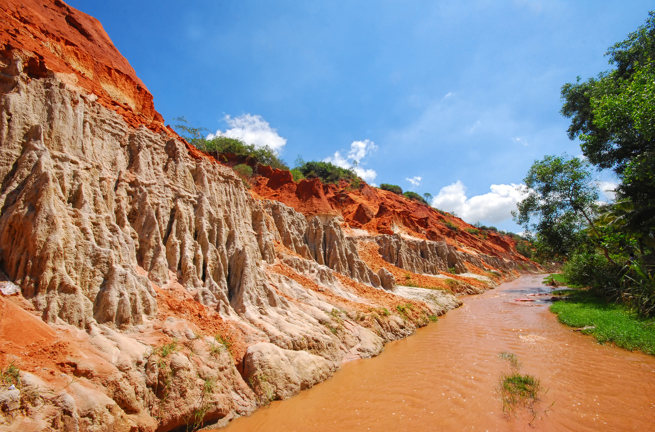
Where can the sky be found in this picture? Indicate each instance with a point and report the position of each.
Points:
(453, 98)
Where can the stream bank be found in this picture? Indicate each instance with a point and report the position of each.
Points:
(446, 377)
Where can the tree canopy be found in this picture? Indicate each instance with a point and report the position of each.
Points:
(559, 202)
(613, 116)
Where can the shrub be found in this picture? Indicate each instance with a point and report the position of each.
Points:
(592, 270)
(472, 231)
(263, 155)
(486, 228)
(244, 171)
(451, 226)
(221, 144)
(638, 289)
(392, 188)
(327, 172)
(414, 196)
(10, 375)
(297, 175)
(524, 248)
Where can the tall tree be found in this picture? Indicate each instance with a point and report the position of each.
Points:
(614, 118)
(612, 115)
(559, 204)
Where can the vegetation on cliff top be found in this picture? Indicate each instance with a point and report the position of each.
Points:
(414, 196)
(224, 145)
(391, 188)
(326, 171)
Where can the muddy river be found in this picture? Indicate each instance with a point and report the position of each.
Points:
(445, 378)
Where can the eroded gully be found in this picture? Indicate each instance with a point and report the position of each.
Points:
(445, 378)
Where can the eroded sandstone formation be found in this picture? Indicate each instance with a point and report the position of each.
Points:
(156, 291)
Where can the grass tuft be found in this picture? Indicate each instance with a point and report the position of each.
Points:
(10, 375)
(519, 391)
(512, 358)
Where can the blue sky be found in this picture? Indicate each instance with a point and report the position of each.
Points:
(464, 95)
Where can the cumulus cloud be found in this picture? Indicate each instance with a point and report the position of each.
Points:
(358, 151)
(252, 129)
(495, 206)
(415, 181)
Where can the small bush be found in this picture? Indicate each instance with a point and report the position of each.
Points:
(297, 175)
(327, 172)
(221, 144)
(472, 231)
(244, 171)
(10, 375)
(638, 289)
(391, 188)
(227, 343)
(525, 249)
(355, 184)
(592, 270)
(451, 226)
(414, 196)
(486, 228)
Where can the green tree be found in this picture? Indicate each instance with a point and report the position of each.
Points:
(559, 204)
(612, 114)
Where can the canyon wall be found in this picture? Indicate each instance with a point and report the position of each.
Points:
(155, 290)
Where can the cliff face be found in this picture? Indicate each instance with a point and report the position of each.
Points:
(158, 291)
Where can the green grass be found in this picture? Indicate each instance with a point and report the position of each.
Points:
(518, 390)
(607, 322)
(10, 375)
(511, 358)
(167, 349)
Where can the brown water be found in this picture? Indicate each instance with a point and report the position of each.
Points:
(445, 377)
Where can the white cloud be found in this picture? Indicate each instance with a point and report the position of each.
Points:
(252, 129)
(368, 175)
(358, 151)
(495, 206)
(607, 189)
(521, 141)
(415, 181)
(474, 127)
(338, 160)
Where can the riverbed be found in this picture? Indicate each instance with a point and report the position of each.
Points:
(446, 377)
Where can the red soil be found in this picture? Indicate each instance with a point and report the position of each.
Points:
(375, 210)
(52, 37)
